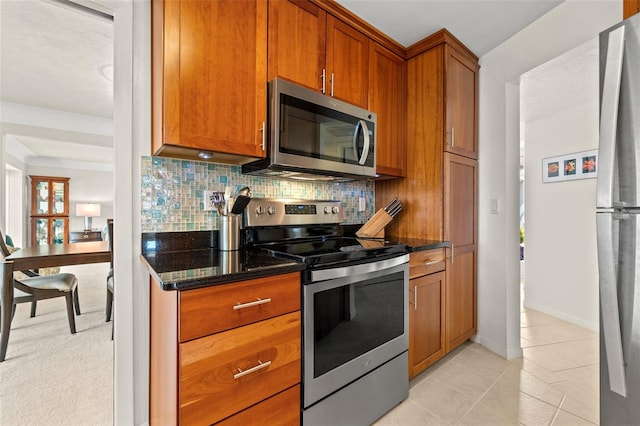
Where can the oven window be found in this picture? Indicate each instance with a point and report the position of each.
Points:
(353, 319)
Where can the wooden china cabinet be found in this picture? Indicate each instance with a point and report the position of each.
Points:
(49, 210)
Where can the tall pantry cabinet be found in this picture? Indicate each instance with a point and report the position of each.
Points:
(440, 190)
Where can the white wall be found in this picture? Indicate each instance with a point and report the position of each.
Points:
(14, 225)
(570, 24)
(84, 186)
(561, 276)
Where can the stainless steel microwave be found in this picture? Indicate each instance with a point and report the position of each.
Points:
(313, 136)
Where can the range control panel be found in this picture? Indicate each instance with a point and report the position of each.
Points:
(282, 212)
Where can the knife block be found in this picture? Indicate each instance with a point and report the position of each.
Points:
(375, 226)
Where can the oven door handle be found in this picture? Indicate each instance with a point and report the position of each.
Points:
(363, 268)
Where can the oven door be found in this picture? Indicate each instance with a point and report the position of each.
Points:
(355, 319)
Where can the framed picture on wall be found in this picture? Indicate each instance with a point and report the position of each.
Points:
(581, 165)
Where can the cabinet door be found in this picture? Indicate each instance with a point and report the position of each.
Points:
(426, 321)
(630, 8)
(387, 98)
(297, 35)
(461, 229)
(461, 313)
(461, 104)
(212, 61)
(40, 233)
(40, 197)
(347, 62)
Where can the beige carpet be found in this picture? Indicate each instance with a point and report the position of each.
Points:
(51, 377)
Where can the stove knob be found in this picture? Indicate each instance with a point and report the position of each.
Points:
(259, 210)
(327, 210)
(271, 210)
(335, 210)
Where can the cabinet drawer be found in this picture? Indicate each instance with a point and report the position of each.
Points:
(213, 309)
(222, 374)
(426, 262)
(280, 409)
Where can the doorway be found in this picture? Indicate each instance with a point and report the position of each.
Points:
(43, 134)
(559, 115)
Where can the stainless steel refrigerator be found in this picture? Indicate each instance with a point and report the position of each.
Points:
(618, 223)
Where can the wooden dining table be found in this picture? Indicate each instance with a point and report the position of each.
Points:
(42, 256)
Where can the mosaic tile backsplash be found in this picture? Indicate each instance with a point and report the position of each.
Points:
(172, 193)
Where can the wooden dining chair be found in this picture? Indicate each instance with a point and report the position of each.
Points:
(38, 287)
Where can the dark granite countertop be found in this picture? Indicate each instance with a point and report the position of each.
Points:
(188, 269)
(418, 244)
(187, 260)
(413, 244)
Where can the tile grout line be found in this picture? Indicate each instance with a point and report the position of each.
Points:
(555, 416)
(485, 393)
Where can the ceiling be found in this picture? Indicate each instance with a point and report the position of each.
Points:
(481, 25)
(60, 60)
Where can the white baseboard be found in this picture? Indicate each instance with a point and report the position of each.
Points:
(593, 326)
(511, 353)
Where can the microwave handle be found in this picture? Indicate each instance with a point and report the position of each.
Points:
(365, 148)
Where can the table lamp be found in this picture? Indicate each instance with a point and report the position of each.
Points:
(88, 210)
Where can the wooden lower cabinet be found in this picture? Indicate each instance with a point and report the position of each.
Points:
(238, 364)
(461, 315)
(426, 321)
(426, 309)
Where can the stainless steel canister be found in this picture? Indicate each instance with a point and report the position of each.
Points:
(229, 232)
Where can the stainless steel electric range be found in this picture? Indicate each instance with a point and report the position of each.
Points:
(355, 309)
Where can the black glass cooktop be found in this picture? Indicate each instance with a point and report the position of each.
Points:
(330, 250)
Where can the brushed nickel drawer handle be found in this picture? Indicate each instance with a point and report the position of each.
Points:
(249, 304)
(431, 262)
(260, 366)
(415, 298)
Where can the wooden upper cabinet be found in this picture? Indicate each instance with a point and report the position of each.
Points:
(297, 38)
(312, 48)
(461, 101)
(209, 78)
(387, 98)
(347, 63)
(630, 8)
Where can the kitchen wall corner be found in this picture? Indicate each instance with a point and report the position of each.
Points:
(171, 193)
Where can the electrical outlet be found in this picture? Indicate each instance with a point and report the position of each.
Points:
(207, 202)
(362, 204)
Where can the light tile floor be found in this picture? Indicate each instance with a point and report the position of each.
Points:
(556, 383)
